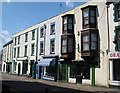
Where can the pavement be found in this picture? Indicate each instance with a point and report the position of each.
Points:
(24, 84)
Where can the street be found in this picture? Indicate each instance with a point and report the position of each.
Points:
(18, 84)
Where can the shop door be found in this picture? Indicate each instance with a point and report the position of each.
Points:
(79, 74)
(63, 72)
(31, 68)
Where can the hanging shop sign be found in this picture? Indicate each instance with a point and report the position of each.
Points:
(114, 55)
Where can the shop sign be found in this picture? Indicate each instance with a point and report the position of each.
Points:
(114, 55)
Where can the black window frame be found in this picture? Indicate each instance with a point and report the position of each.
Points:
(25, 53)
(33, 35)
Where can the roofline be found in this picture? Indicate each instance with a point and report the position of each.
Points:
(51, 17)
(8, 43)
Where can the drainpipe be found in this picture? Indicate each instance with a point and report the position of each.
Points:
(36, 55)
(108, 39)
(44, 37)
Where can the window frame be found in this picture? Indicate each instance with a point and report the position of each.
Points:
(26, 37)
(41, 53)
(33, 35)
(116, 18)
(18, 52)
(67, 30)
(19, 39)
(89, 24)
(41, 29)
(25, 53)
(52, 25)
(32, 52)
(15, 40)
(64, 45)
(14, 52)
(89, 32)
(52, 40)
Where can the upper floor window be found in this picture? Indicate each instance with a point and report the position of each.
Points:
(33, 35)
(117, 12)
(41, 32)
(68, 24)
(89, 17)
(89, 40)
(52, 28)
(41, 47)
(32, 49)
(15, 40)
(64, 45)
(26, 37)
(18, 52)
(65, 23)
(18, 39)
(14, 52)
(25, 50)
(52, 45)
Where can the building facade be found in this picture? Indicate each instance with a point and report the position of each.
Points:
(24, 51)
(80, 45)
(7, 57)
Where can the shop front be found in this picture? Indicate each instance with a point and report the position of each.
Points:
(114, 59)
(8, 67)
(79, 72)
(47, 69)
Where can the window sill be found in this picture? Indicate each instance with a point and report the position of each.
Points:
(33, 39)
(52, 33)
(41, 37)
(41, 54)
(52, 53)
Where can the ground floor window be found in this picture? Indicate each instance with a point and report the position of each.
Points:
(73, 71)
(25, 67)
(15, 67)
(116, 70)
(50, 71)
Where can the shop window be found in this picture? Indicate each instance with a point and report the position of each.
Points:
(26, 37)
(52, 28)
(117, 12)
(73, 71)
(116, 70)
(25, 51)
(32, 49)
(52, 46)
(64, 45)
(50, 71)
(41, 47)
(15, 67)
(41, 32)
(25, 67)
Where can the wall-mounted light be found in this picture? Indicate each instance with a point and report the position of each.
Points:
(78, 33)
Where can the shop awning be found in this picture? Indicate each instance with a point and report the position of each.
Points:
(46, 62)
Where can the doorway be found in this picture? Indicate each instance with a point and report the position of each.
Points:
(63, 72)
(19, 69)
(32, 68)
